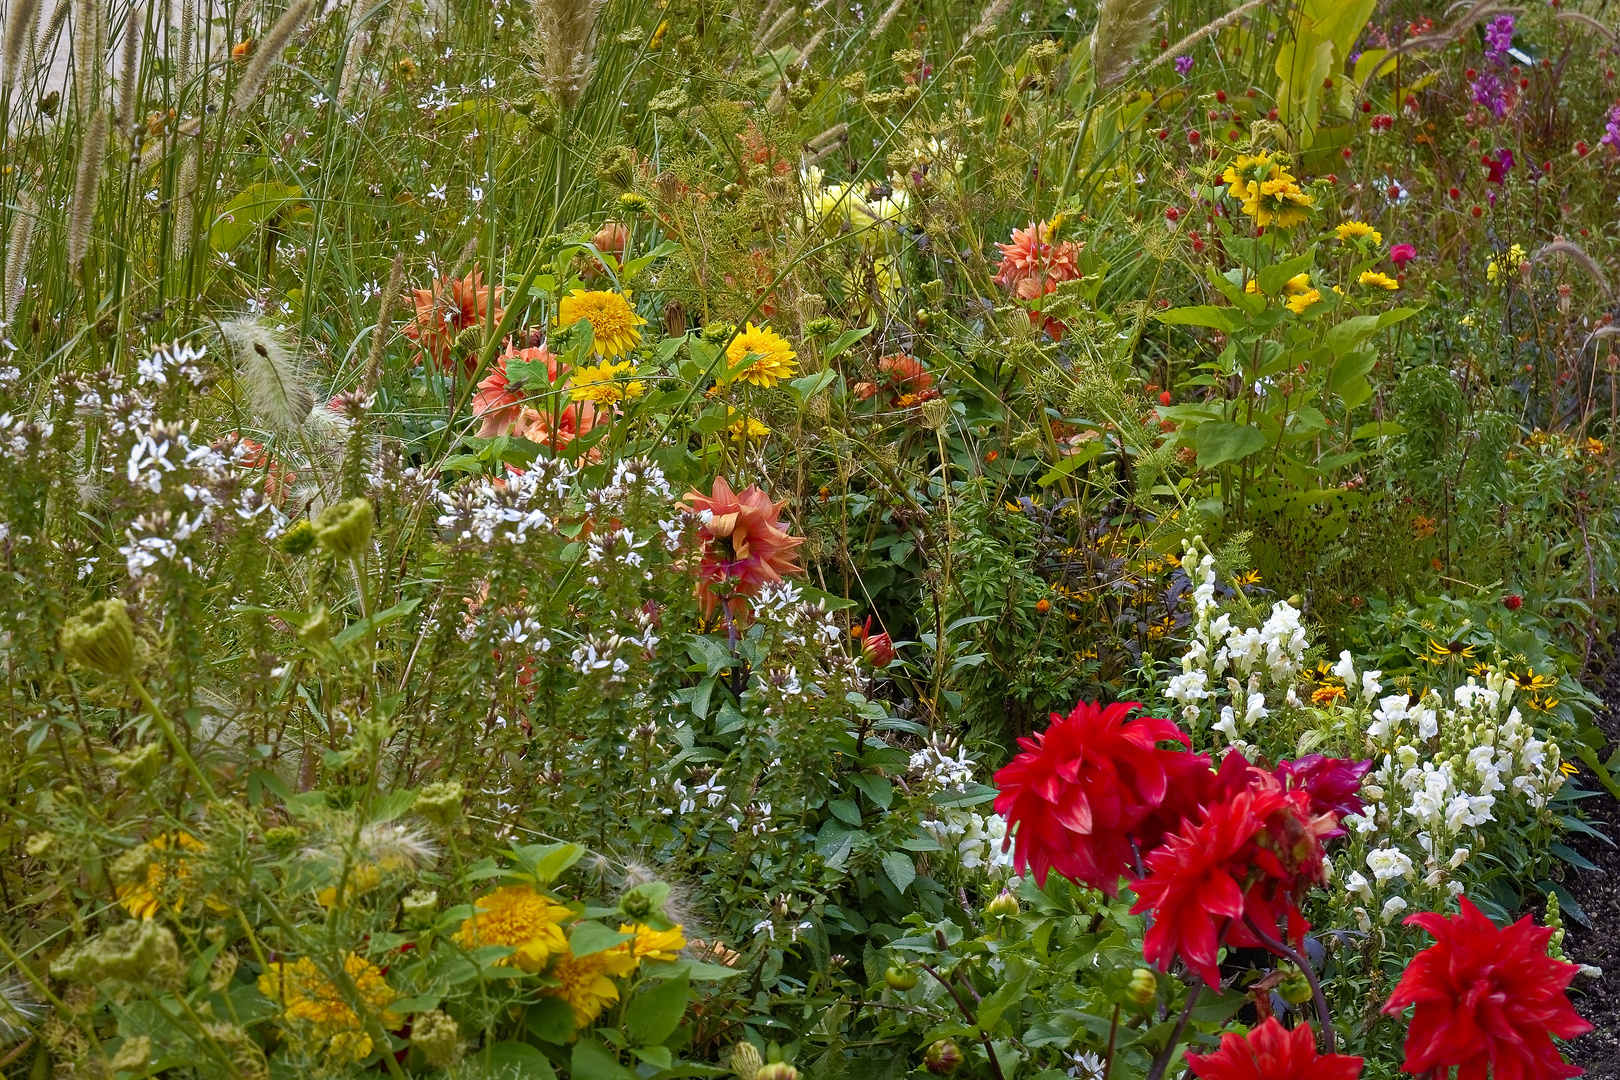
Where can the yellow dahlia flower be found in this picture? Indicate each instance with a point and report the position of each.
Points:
(773, 356)
(613, 320)
(518, 916)
(1376, 279)
(1358, 230)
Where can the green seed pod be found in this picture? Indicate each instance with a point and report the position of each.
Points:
(102, 638)
(1295, 989)
(318, 627)
(344, 528)
(281, 839)
(900, 978)
(440, 803)
(419, 906)
(142, 952)
(746, 1061)
(299, 539)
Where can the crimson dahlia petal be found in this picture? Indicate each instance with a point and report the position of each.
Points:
(1333, 784)
(1272, 1052)
(1486, 999)
(1074, 794)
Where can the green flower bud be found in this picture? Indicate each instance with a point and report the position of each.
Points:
(344, 528)
(632, 203)
(900, 978)
(318, 627)
(138, 765)
(101, 637)
(1143, 987)
(281, 839)
(440, 803)
(1295, 989)
(1003, 905)
(39, 844)
(419, 906)
(745, 1061)
(437, 1036)
(943, 1057)
(822, 327)
(299, 539)
(777, 1070)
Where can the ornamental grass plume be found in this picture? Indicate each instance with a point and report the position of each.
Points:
(86, 188)
(1078, 789)
(1122, 28)
(270, 374)
(266, 51)
(1273, 1052)
(564, 47)
(746, 544)
(19, 246)
(1487, 999)
(129, 71)
(21, 19)
(448, 308)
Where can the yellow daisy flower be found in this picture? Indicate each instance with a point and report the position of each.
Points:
(602, 385)
(1278, 202)
(143, 899)
(319, 1013)
(613, 320)
(1358, 230)
(1299, 302)
(362, 879)
(584, 982)
(1245, 170)
(1374, 278)
(653, 944)
(518, 916)
(746, 428)
(773, 356)
(1504, 264)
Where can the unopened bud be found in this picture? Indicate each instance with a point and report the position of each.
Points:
(102, 638)
(943, 1057)
(1143, 987)
(299, 539)
(777, 1070)
(344, 528)
(1295, 989)
(745, 1061)
(1003, 905)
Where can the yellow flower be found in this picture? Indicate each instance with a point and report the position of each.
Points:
(1528, 680)
(602, 385)
(362, 879)
(773, 357)
(653, 944)
(143, 899)
(1452, 650)
(1297, 285)
(518, 916)
(1298, 302)
(1358, 230)
(321, 1013)
(1278, 202)
(1241, 175)
(1381, 280)
(584, 982)
(746, 428)
(613, 321)
(1504, 264)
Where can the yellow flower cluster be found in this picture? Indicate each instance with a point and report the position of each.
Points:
(319, 1013)
(1352, 231)
(143, 899)
(1268, 191)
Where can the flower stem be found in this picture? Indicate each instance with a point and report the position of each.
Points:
(174, 738)
(1162, 1062)
(1283, 949)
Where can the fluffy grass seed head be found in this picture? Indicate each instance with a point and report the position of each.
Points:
(614, 321)
(1122, 27)
(565, 47)
(269, 373)
(773, 358)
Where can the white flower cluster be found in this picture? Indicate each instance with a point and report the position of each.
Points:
(1250, 660)
(506, 511)
(1445, 773)
(157, 453)
(180, 359)
(976, 839)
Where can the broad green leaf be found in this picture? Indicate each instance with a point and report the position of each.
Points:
(846, 339)
(1220, 441)
(900, 869)
(1272, 278)
(550, 1019)
(1228, 320)
(589, 938)
(353, 632)
(1089, 451)
(512, 1060)
(593, 1061)
(656, 1012)
(253, 207)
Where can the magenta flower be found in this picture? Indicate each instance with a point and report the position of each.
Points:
(1333, 785)
(1183, 65)
(1498, 38)
(1401, 254)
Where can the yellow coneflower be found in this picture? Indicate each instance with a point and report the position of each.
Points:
(1279, 202)
(614, 322)
(1299, 303)
(1531, 683)
(1245, 171)
(773, 358)
(1377, 279)
(1247, 578)
(1358, 230)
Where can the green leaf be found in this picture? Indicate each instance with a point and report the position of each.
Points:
(512, 1060)
(808, 386)
(550, 1019)
(696, 970)
(1272, 278)
(877, 788)
(250, 209)
(846, 810)
(900, 869)
(593, 1061)
(655, 1013)
(846, 339)
(353, 632)
(590, 938)
(1089, 451)
(1228, 320)
(1220, 441)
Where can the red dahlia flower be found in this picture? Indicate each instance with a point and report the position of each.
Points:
(746, 544)
(1081, 786)
(1487, 999)
(1332, 784)
(1272, 1052)
(1251, 857)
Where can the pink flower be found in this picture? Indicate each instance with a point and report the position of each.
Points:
(497, 402)
(1401, 254)
(746, 544)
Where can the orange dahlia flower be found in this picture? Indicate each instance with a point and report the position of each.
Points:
(746, 544)
(497, 402)
(575, 420)
(447, 309)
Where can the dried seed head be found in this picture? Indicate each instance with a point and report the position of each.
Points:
(269, 374)
(101, 637)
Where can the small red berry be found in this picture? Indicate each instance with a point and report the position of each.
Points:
(1164, 133)
(1194, 137)
(1327, 84)
(1524, 84)
(1478, 211)
(1220, 96)
(1455, 193)
(1164, 397)
(1345, 153)
(1366, 106)
(1271, 115)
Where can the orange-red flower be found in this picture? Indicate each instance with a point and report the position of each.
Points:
(556, 432)
(746, 544)
(1272, 1052)
(903, 380)
(447, 309)
(497, 402)
(1488, 1000)
(1079, 788)
(1032, 266)
(278, 478)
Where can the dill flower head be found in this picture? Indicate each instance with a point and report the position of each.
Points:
(1374, 278)
(520, 917)
(613, 320)
(1278, 202)
(1350, 231)
(584, 981)
(601, 384)
(773, 356)
(319, 1013)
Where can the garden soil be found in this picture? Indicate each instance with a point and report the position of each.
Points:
(1598, 892)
